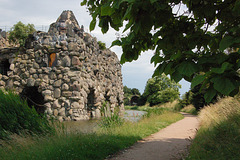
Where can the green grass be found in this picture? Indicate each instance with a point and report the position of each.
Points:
(189, 109)
(17, 118)
(92, 146)
(219, 135)
(139, 108)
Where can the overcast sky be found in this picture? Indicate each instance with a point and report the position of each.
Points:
(42, 13)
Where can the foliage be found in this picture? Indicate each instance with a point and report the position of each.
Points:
(110, 119)
(218, 136)
(186, 99)
(17, 117)
(160, 89)
(113, 120)
(102, 45)
(91, 146)
(189, 109)
(20, 32)
(129, 93)
(189, 37)
(135, 91)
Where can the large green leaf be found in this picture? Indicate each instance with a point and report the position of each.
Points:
(223, 85)
(197, 80)
(223, 68)
(92, 25)
(226, 42)
(208, 96)
(106, 10)
(187, 68)
(116, 43)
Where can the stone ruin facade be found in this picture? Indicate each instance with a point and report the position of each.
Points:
(64, 73)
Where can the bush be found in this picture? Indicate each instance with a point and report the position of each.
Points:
(102, 45)
(160, 89)
(17, 117)
(20, 32)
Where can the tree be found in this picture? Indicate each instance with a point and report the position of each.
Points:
(20, 32)
(189, 37)
(160, 89)
(135, 91)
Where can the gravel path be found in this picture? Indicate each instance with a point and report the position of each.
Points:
(170, 143)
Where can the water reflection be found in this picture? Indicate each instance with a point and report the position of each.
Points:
(91, 125)
(87, 126)
(133, 115)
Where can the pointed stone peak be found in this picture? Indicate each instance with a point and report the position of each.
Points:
(65, 24)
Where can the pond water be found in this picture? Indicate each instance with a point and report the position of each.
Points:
(133, 115)
(91, 125)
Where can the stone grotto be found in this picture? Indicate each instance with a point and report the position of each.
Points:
(63, 72)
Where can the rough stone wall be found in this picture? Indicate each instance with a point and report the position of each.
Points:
(76, 85)
(4, 42)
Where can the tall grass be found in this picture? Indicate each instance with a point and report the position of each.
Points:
(17, 118)
(92, 146)
(219, 134)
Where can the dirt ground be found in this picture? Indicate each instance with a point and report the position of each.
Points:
(170, 143)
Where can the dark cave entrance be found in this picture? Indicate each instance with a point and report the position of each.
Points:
(34, 98)
(4, 67)
(90, 103)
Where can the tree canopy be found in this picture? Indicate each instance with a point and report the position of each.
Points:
(160, 89)
(197, 40)
(20, 32)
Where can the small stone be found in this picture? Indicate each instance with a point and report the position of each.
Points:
(36, 65)
(70, 112)
(16, 83)
(55, 112)
(2, 83)
(46, 92)
(66, 61)
(75, 105)
(75, 61)
(30, 82)
(48, 98)
(57, 83)
(61, 112)
(65, 87)
(98, 113)
(52, 76)
(12, 66)
(57, 93)
(56, 104)
(49, 111)
(32, 71)
(67, 93)
(76, 94)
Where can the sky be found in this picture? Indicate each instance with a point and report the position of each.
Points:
(42, 13)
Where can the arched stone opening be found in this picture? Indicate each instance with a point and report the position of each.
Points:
(90, 104)
(134, 100)
(34, 98)
(4, 67)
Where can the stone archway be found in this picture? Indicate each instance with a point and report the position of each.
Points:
(34, 98)
(90, 103)
(4, 67)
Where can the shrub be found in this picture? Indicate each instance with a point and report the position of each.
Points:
(102, 45)
(17, 117)
(20, 32)
(160, 89)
